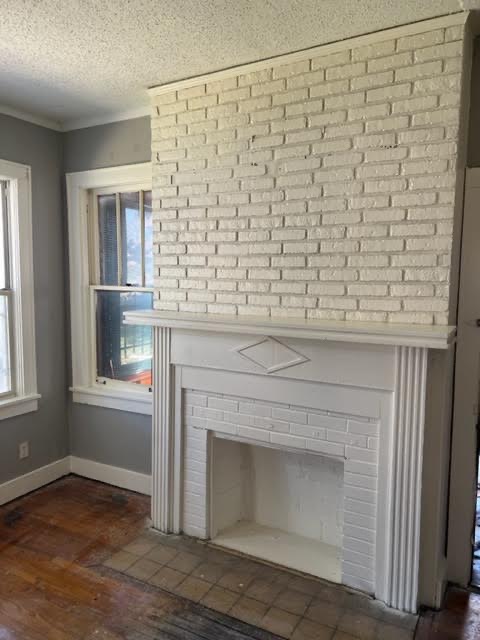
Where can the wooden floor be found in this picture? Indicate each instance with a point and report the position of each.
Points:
(459, 620)
(53, 585)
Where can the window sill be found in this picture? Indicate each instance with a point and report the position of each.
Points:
(17, 405)
(133, 401)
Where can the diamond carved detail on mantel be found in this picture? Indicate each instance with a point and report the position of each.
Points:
(271, 355)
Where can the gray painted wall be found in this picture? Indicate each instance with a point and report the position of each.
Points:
(113, 437)
(107, 145)
(118, 438)
(61, 427)
(46, 429)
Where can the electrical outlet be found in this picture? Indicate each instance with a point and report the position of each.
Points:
(23, 450)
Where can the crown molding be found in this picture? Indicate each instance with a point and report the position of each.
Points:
(80, 123)
(106, 118)
(453, 19)
(30, 117)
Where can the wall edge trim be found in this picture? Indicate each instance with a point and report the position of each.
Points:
(115, 476)
(20, 486)
(454, 19)
(40, 121)
(134, 113)
(38, 478)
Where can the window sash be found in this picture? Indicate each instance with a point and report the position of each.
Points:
(6, 291)
(95, 270)
(7, 294)
(4, 235)
(94, 232)
(101, 381)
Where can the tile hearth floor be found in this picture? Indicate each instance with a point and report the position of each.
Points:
(279, 601)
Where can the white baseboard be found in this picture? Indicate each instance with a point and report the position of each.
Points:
(17, 487)
(116, 476)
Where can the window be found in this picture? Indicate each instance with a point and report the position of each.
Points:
(122, 280)
(111, 272)
(6, 326)
(18, 391)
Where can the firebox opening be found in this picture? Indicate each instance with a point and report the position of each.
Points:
(281, 506)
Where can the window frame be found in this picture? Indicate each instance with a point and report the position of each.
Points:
(23, 398)
(83, 242)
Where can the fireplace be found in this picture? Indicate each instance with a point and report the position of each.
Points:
(278, 505)
(286, 483)
(297, 443)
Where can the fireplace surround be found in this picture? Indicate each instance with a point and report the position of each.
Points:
(352, 395)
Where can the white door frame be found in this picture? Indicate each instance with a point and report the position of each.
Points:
(467, 392)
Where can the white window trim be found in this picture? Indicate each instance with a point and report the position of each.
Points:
(25, 399)
(78, 186)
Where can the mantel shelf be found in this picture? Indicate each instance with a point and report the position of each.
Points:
(406, 335)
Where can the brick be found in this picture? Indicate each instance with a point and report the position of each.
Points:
(382, 186)
(299, 165)
(414, 104)
(220, 86)
(439, 116)
(449, 50)
(266, 115)
(419, 71)
(376, 50)
(267, 88)
(261, 102)
(288, 125)
(421, 40)
(305, 80)
(337, 87)
(234, 95)
(301, 108)
(393, 123)
(316, 189)
(438, 84)
(372, 80)
(255, 77)
(388, 93)
(341, 57)
(201, 102)
(293, 69)
(390, 62)
(369, 112)
(345, 71)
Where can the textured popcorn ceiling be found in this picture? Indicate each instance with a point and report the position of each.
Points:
(72, 61)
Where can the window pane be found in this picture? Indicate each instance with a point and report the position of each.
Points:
(147, 205)
(131, 222)
(107, 222)
(124, 352)
(3, 237)
(5, 367)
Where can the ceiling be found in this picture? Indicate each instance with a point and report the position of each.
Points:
(72, 63)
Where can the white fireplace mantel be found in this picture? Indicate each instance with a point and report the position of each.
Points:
(401, 335)
(374, 370)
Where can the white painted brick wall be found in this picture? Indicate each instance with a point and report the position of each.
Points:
(351, 439)
(338, 170)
